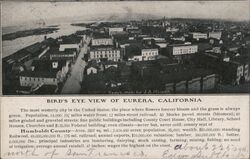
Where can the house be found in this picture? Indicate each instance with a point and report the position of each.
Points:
(94, 67)
(92, 70)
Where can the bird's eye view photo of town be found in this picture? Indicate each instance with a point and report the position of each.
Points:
(127, 47)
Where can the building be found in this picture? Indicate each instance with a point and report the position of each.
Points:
(135, 58)
(161, 44)
(198, 36)
(145, 54)
(94, 67)
(242, 68)
(172, 29)
(44, 72)
(69, 46)
(70, 42)
(178, 38)
(232, 71)
(156, 39)
(149, 53)
(233, 47)
(182, 49)
(215, 35)
(102, 41)
(116, 30)
(194, 80)
(28, 53)
(67, 54)
(92, 70)
(133, 30)
(109, 53)
(83, 34)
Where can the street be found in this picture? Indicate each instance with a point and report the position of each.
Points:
(73, 83)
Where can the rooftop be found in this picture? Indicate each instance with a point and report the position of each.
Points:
(46, 65)
(55, 50)
(97, 35)
(30, 51)
(180, 45)
(72, 39)
(44, 69)
(44, 74)
(103, 47)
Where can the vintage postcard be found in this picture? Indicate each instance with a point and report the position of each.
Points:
(125, 80)
(165, 47)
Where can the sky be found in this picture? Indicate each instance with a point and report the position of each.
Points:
(16, 13)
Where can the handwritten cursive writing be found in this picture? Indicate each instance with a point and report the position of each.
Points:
(95, 153)
(83, 153)
(205, 151)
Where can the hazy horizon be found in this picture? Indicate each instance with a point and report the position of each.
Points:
(21, 13)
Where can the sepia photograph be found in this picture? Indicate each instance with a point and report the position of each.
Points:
(125, 79)
(164, 47)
